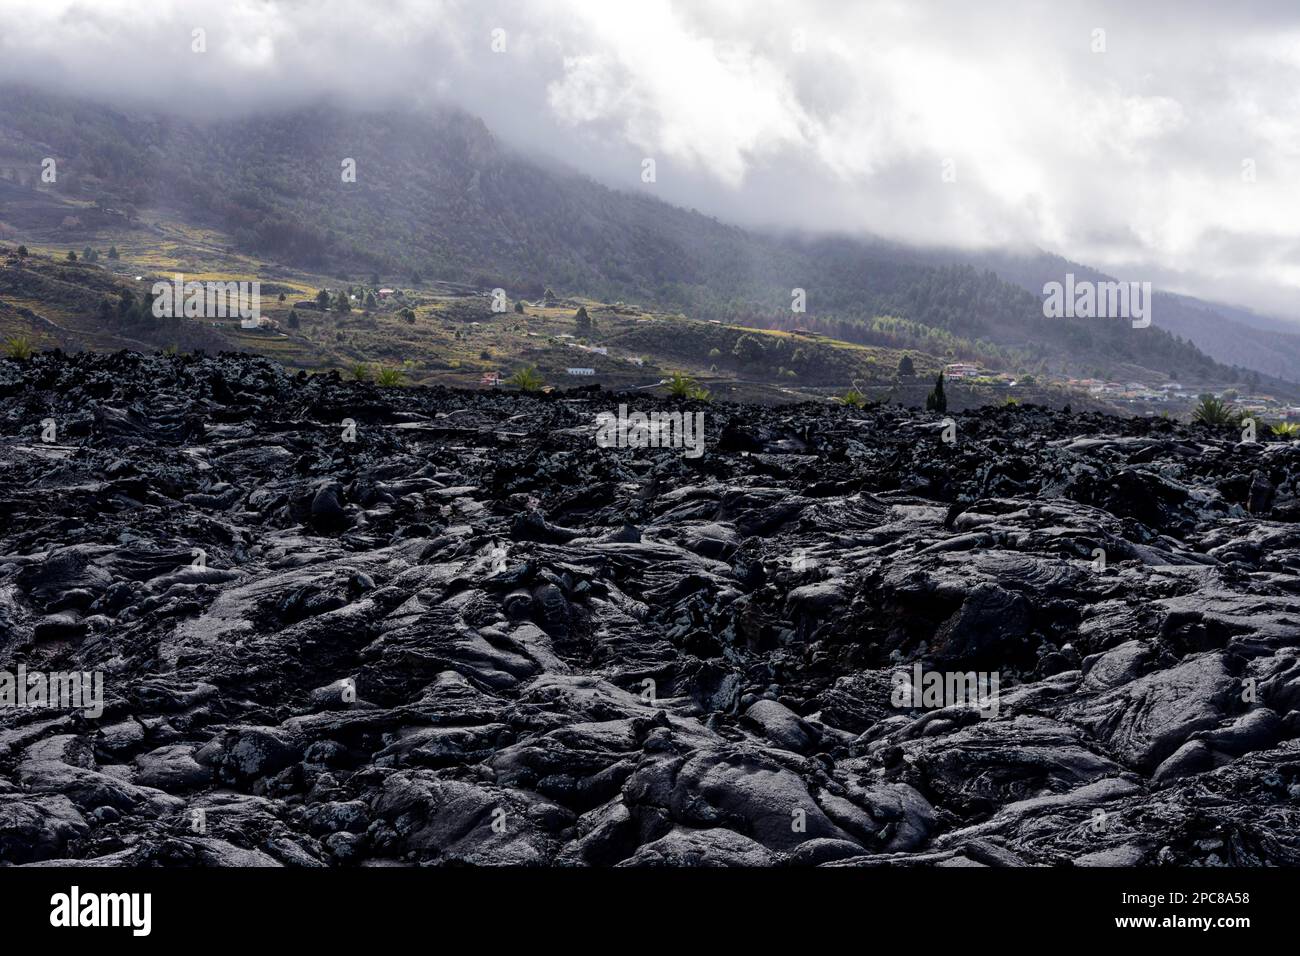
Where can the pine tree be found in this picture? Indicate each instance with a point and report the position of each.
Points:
(937, 401)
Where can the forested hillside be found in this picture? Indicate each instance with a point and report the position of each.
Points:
(1233, 336)
(437, 197)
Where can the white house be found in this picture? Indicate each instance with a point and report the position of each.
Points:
(581, 371)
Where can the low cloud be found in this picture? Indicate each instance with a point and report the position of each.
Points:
(1167, 144)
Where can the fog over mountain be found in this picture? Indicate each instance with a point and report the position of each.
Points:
(1143, 150)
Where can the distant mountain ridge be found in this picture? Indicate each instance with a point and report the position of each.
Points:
(1229, 334)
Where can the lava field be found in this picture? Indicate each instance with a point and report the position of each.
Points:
(344, 625)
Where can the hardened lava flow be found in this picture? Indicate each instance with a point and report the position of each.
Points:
(339, 624)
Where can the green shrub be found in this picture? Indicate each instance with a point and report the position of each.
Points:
(19, 347)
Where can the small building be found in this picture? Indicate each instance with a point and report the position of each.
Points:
(581, 371)
(385, 293)
(491, 378)
(960, 370)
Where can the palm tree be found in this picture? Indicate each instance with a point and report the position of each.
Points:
(1214, 411)
(527, 379)
(681, 385)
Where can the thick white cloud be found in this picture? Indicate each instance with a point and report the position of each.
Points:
(815, 115)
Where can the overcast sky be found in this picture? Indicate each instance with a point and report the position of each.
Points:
(818, 116)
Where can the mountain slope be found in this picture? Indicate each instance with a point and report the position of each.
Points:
(438, 196)
(1233, 336)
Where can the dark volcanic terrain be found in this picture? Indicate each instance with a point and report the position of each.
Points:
(473, 636)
